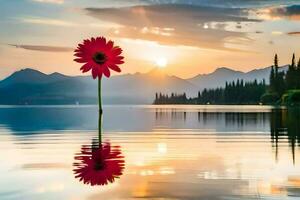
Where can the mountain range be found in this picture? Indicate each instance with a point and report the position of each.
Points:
(29, 86)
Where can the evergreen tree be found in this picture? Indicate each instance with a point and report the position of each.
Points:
(293, 61)
(298, 75)
(244, 93)
(156, 98)
(281, 85)
(275, 84)
(276, 65)
(277, 81)
(272, 80)
(199, 98)
(291, 75)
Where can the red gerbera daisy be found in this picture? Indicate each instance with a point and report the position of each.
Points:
(99, 56)
(99, 165)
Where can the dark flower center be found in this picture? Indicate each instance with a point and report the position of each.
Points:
(99, 58)
(99, 165)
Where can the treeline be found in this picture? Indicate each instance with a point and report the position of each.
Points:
(235, 92)
(281, 82)
(172, 99)
(284, 88)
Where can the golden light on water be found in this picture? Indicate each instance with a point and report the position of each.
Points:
(200, 162)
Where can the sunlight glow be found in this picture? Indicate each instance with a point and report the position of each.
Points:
(162, 148)
(161, 62)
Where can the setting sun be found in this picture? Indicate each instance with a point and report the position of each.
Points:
(161, 62)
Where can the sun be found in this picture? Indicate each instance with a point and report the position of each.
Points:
(161, 62)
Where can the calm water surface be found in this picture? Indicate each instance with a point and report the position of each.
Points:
(170, 152)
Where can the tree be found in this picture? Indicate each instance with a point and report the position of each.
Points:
(298, 75)
(291, 75)
(276, 78)
(277, 81)
(272, 80)
(293, 61)
(281, 86)
(276, 64)
(276, 74)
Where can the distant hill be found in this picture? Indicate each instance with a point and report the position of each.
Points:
(219, 77)
(31, 76)
(30, 86)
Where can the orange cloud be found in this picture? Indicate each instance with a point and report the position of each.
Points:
(176, 24)
(42, 48)
(294, 33)
(50, 1)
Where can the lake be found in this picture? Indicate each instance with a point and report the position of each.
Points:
(166, 152)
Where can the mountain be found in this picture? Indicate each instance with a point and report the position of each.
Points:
(30, 86)
(31, 76)
(216, 78)
(219, 77)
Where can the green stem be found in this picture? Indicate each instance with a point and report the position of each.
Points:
(100, 112)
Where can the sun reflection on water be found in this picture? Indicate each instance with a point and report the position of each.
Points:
(224, 155)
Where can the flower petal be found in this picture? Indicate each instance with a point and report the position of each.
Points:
(119, 58)
(86, 67)
(106, 71)
(94, 72)
(116, 51)
(80, 60)
(115, 68)
(118, 62)
(100, 41)
(109, 45)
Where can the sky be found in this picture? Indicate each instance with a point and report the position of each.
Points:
(186, 37)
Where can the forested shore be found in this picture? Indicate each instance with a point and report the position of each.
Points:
(283, 89)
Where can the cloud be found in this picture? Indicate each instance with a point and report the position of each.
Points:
(63, 23)
(289, 12)
(43, 48)
(47, 21)
(218, 3)
(294, 33)
(35, 166)
(176, 24)
(276, 33)
(50, 1)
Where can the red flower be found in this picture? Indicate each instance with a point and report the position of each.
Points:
(99, 164)
(99, 56)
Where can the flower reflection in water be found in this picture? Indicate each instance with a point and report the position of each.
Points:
(99, 164)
